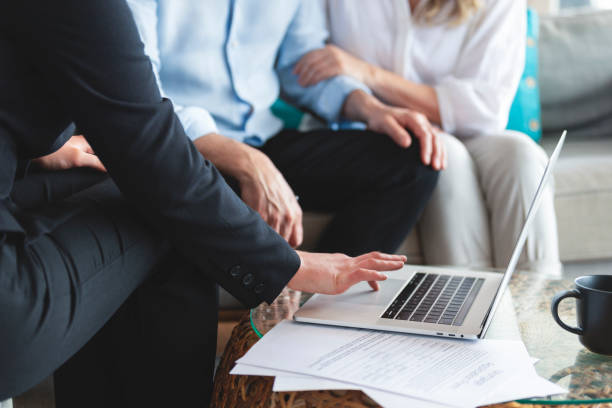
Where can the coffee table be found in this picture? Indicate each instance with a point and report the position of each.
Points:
(562, 359)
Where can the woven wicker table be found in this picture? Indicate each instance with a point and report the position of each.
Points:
(563, 360)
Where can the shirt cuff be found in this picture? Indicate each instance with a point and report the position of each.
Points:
(337, 89)
(445, 105)
(196, 121)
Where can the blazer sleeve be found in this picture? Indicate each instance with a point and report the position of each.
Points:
(90, 57)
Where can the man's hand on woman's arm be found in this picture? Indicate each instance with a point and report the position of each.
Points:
(262, 186)
(333, 274)
(394, 121)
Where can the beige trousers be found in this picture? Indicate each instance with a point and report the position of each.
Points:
(478, 208)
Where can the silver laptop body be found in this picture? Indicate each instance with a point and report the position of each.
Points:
(427, 300)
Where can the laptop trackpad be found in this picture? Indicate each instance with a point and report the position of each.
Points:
(362, 293)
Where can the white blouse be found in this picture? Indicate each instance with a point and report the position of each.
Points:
(475, 67)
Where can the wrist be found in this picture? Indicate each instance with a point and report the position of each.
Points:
(247, 161)
(293, 283)
(370, 76)
(360, 105)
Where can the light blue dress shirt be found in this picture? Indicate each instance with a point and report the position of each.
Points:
(223, 63)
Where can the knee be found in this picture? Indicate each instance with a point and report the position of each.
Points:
(460, 174)
(414, 175)
(520, 153)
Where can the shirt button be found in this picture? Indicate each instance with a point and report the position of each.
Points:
(235, 271)
(531, 82)
(259, 288)
(530, 42)
(248, 279)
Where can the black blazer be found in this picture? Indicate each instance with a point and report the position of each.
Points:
(82, 61)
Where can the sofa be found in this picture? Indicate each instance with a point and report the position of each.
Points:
(575, 80)
(575, 58)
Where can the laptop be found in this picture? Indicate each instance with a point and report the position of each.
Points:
(437, 301)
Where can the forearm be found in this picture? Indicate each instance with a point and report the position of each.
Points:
(358, 106)
(230, 156)
(398, 91)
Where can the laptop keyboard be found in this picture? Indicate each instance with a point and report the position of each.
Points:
(434, 298)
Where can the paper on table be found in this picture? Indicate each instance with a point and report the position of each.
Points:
(519, 387)
(285, 382)
(386, 399)
(419, 366)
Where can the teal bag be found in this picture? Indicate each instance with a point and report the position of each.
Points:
(526, 112)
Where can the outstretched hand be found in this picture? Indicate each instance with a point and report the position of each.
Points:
(333, 274)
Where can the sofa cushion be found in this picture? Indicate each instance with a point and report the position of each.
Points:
(583, 198)
(576, 73)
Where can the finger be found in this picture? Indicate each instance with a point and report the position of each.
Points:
(397, 133)
(425, 137)
(436, 159)
(306, 76)
(90, 160)
(349, 279)
(374, 285)
(380, 265)
(286, 226)
(318, 72)
(297, 235)
(275, 221)
(439, 152)
(382, 255)
(321, 74)
(305, 70)
(309, 60)
(444, 157)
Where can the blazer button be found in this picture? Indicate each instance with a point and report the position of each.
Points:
(235, 271)
(259, 288)
(248, 279)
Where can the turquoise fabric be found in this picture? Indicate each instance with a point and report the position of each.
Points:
(526, 112)
(289, 114)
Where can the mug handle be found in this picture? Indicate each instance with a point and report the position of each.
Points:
(554, 308)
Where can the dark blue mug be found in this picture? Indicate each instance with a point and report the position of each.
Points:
(593, 311)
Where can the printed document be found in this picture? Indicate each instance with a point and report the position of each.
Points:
(434, 369)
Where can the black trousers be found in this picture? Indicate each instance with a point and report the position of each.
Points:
(376, 189)
(90, 269)
(91, 277)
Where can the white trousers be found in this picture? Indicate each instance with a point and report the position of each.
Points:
(478, 208)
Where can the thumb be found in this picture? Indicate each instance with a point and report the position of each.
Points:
(91, 160)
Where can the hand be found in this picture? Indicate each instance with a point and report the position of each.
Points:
(264, 189)
(332, 274)
(76, 152)
(327, 62)
(394, 121)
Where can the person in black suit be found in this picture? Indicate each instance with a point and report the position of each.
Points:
(112, 278)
